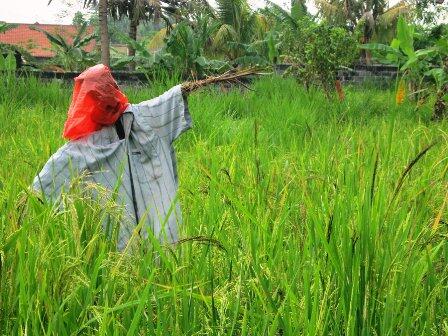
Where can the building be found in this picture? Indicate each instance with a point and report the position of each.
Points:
(36, 43)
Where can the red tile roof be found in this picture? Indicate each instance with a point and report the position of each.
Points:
(36, 42)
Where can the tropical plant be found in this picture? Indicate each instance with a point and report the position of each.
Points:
(327, 49)
(238, 25)
(440, 74)
(144, 59)
(141, 10)
(430, 11)
(260, 52)
(184, 50)
(187, 47)
(412, 64)
(289, 26)
(6, 50)
(416, 66)
(70, 54)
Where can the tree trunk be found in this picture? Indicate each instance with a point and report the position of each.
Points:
(132, 35)
(441, 106)
(133, 24)
(104, 32)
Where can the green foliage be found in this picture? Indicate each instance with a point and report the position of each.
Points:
(239, 27)
(4, 26)
(184, 51)
(430, 12)
(416, 66)
(317, 51)
(328, 50)
(401, 52)
(143, 59)
(186, 45)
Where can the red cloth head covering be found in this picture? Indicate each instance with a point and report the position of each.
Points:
(96, 102)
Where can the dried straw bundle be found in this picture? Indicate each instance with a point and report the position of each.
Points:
(231, 76)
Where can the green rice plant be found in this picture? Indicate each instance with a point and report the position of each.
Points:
(302, 216)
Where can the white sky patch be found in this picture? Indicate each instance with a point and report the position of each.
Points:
(62, 11)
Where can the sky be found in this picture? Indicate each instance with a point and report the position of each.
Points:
(61, 11)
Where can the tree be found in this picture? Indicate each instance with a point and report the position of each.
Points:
(237, 25)
(429, 11)
(104, 31)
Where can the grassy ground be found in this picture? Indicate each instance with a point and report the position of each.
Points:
(322, 218)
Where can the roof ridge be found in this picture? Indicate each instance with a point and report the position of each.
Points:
(43, 24)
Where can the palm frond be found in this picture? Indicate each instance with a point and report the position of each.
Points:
(328, 9)
(158, 40)
(224, 34)
(281, 15)
(390, 16)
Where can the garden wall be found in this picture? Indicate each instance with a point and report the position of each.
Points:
(376, 74)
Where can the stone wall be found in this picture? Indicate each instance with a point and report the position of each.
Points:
(378, 74)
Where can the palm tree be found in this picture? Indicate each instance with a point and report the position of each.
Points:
(370, 16)
(104, 31)
(238, 25)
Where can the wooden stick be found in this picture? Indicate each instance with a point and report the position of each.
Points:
(230, 76)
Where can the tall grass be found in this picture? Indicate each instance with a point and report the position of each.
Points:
(301, 217)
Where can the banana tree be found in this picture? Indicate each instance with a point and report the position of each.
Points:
(70, 55)
(187, 47)
(411, 64)
(184, 50)
(416, 66)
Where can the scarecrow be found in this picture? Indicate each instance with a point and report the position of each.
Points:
(126, 148)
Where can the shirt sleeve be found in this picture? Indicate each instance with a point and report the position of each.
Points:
(55, 175)
(167, 115)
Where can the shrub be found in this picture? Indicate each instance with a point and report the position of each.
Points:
(318, 51)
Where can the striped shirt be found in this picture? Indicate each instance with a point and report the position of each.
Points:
(142, 165)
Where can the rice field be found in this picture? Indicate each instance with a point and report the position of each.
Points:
(302, 216)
